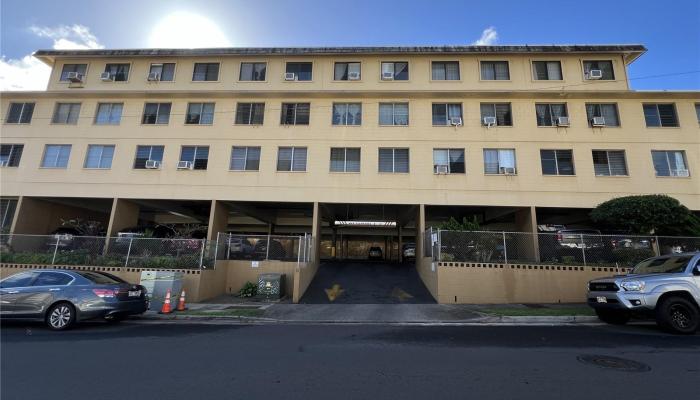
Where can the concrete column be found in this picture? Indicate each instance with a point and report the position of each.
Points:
(526, 221)
(316, 232)
(420, 231)
(31, 217)
(335, 243)
(125, 214)
(400, 244)
(218, 219)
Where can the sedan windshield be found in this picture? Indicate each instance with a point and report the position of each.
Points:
(675, 264)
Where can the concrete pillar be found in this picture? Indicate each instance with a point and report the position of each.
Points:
(335, 243)
(400, 244)
(31, 217)
(316, 232)
(125, 214)
(218, 219)
(526, 221)
(420, 231)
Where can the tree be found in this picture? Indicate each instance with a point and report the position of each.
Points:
(655, 214)
(453, 225)
(85, 227)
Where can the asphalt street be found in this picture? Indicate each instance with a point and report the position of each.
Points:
(223, 361)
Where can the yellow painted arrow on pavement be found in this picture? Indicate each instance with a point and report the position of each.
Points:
(400, 294)
(334, 292)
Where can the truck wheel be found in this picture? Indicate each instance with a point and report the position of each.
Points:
(612, 316)
(678, 315)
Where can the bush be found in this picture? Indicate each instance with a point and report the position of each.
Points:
(649, 214)
(628, 257)
(26, 258)
(248, 290)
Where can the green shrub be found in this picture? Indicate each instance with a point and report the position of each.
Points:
(248, 290)
(26, 258)
(629, 257)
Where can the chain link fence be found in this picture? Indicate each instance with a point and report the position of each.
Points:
(135, 252)
(568, 248)
(264, 247)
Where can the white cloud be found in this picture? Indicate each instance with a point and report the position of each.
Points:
(28, 73)
(488, 37)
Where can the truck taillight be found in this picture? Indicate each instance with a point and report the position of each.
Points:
(105, 292)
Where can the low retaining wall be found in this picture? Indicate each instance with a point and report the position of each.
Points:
(427, 270)
(302, 279)
(485, 283)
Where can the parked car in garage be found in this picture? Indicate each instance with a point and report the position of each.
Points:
(571, 243)
(61, 298)
(375, 253)
(62, 237)
(275, 252)
(409, 250)
(665, 287)
(240, 248)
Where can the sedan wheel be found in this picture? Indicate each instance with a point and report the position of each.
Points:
(60, 316)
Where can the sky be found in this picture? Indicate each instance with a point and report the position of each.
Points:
(669, 29)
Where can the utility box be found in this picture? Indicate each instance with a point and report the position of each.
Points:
(271, 286)
(157, 284)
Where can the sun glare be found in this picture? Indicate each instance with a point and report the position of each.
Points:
(187, 30)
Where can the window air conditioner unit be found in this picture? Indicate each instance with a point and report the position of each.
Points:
(456, 121)
(595, 74)
(75, 77)
(106, 76)
(154, 164)
(598, 121)
(507, 170)
(563, 121)
(153, 76)
(290, 76)
(680, 172)
(4, 163)
(387, 76)
(441, 169)
(489, 121)
(353, 76)
(185, 165)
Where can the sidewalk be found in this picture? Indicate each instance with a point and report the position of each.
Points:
(390, 314)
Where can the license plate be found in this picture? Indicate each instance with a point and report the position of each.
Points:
(134, 293)
(602, 299)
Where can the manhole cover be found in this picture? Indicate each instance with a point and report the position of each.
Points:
(607, 362)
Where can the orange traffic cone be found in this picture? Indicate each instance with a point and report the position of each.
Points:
(181, 303)
(166, 304)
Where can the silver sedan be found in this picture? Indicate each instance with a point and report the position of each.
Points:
(62, 297)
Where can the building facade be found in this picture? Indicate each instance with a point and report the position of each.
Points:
(270, 139)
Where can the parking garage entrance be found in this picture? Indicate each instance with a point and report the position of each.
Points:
(367, 256)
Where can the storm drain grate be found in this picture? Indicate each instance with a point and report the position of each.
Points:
(616, 363)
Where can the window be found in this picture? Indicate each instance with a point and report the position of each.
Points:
(99, 156)
(495, 71)
(245, 159)
(295, 113)
(445, 70)
(156, 113)
(398, 71)
(165, 71)
(52, 279)
(343, 70)
(501, 111)
(56, 156)
(605, 67)
(499, 161)
(548, 114)
(670, 163)
(253, 71)
(302, 70)
(607, 111)
(393, 114)
(291, 159)
(108, 113)
(23, 279)
(205, 72)
(450, 161)
(10, 154)
(68, 68)
(250, 113)
(198, 156)
(557, 162)
(444, 113)
(200, 114)
(609, 163)
(147, 153)
(345, 159)
(546, 71)
(660, 115)
(393, 160)
(347, 113)
(20, 113)
(118, 72)
(7, 213)
(66, 113)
